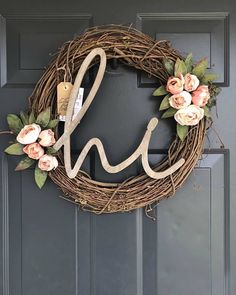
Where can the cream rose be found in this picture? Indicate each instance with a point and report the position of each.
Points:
(47, 138)
(189, 116)
(191, 82)
(175, 85)
(201, 96)
(28, 134)
(34, 150)
(181, 100)
(47, 163)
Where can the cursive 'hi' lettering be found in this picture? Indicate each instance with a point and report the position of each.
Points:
(70, 126)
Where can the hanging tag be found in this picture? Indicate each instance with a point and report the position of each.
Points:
(63, 95)
(78, 102)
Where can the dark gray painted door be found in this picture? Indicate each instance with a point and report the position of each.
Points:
(50, 247)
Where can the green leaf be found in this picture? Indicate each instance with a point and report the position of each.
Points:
(200, 69)
(165, 103)
(15, 149)
(189, 62)
(53, 123)
(207, 78)
(32, 118)
(207, 111)
(211, 102)
(169, 65)
(14, 123)
(24, 164)
(160, 91)
(40, 176)
(24, 118)
(169, 113)
(51, 150)
(44, 117)
(182, 131)
(180, 68)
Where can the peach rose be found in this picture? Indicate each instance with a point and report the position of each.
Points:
(189, 116)
(181, 100)
(175, 85)
(47, 163)
(34, 150)
(28, 134)
(47, 138)
(191, 82)
(201, 96)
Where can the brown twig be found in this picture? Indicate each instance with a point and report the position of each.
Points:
(6, 132)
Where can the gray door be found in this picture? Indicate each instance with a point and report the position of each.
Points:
(48, 246)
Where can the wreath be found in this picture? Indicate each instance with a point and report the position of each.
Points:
(186, 93)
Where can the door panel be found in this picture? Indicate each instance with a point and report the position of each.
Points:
(120, 253)
(49, 246)
(203, 34)
(39, 35)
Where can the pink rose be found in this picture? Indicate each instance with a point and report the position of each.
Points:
(175, 85)
(47, 163)
(28, 134)
(191, 82)
(34, 150)
(181, 100)
(189, 116)
(47, 138)
(201, 96)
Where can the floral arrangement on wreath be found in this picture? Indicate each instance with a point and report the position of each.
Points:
(34, 139)
(189, 93)
(188, 96)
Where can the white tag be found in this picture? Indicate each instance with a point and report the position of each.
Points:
(77, 106)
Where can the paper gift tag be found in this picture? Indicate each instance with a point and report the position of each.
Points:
(63, 95)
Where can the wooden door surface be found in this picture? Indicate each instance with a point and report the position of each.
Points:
(49, 246)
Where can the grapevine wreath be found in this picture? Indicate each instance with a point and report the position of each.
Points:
(187, 93)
